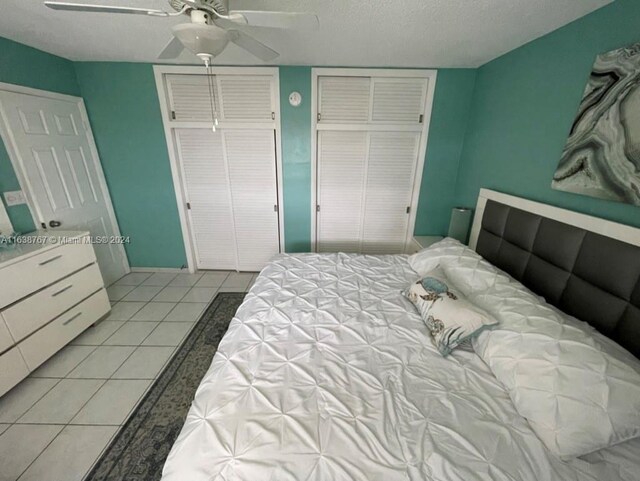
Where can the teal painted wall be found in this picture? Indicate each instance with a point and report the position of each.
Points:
(502, 126)
(296, 158)
(450, 113)
(524, 105)
(22, 65)
(452, 101)
(124, 112)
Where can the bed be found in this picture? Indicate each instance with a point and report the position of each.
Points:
(327, 373)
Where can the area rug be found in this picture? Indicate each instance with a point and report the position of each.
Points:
(139, 450)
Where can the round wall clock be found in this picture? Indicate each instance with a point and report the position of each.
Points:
(295, 99)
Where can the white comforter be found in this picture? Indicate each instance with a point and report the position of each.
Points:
(327, 373)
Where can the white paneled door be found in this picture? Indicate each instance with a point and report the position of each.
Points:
(53, 146)
(226, 180)
(370, 135)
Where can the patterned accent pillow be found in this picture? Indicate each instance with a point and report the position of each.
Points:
(450, 317)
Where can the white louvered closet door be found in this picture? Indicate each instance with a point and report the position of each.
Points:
(388, 188)
(229, 178)
(206, 183)
(252, 175)
(342, 158)
(369, 132)
(188, 98)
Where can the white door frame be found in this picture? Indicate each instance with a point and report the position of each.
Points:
(430, 75)
(6, 228)
(18, 165)
(159, 72)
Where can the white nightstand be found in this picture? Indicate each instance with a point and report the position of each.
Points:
(422, 241)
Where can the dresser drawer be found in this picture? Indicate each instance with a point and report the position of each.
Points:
(22, 278)
(6, 341)
(35, 311)
(51, 338)
(12, 370)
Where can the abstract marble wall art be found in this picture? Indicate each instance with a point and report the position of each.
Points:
(602, 156)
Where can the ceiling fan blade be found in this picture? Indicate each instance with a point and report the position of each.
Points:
(84, 7)
(172, 50)
(252, 45)
(290, 20)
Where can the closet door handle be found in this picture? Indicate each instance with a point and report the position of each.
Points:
(48, 261)
(62, 290)
(72, 318)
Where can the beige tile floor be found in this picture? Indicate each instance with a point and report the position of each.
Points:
(56, 423)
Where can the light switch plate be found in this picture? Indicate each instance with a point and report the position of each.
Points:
(15, 197)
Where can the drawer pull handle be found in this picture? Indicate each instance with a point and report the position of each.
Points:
(48, 261)
(62, 290)
(72, 318)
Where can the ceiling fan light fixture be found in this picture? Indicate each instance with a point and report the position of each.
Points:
(202, 40)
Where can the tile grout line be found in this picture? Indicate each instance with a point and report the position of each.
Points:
(76, 365)
(150, 385)
(59, 380)
(43, 450)
(150, 381)
(64, 426)
(78, 411)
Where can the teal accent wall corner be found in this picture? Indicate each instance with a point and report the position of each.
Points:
(122, 103)
(29, 67)
(452, 102)
(123, 108)
(502, 126)
(20, 216)
(523, 108)
(449, 118)
(296, 158)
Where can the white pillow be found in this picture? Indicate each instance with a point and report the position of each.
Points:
(459, 262)
(579, 390)
(451, 319)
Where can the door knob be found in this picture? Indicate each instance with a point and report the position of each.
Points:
(55, 223)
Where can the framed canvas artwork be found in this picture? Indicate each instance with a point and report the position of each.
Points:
(602, 155)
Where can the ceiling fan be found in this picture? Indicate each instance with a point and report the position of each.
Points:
(212, 26)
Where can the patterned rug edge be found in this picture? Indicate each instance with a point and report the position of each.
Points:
(121, 440)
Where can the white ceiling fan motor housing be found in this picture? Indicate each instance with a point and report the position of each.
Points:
(199, 17)
(220, 6)
(203, 39)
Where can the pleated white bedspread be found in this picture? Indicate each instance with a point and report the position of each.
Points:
(327, 373)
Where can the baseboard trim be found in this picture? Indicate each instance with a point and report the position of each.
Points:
(158, 269)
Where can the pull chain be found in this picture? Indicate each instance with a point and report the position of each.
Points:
(212, 97)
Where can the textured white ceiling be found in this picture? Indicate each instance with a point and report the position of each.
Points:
(390, 33)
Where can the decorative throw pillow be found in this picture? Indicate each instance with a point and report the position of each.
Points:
(451, 319)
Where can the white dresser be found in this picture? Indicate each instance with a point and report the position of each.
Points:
(50, 292)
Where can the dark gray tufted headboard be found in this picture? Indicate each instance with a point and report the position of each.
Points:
(590, 276)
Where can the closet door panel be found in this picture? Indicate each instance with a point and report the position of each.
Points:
(344, 99)
(388, 190)
(398, 100)
(205, 180)
(189, 97)
(245, 98)
(252, 173)
(342, 158)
